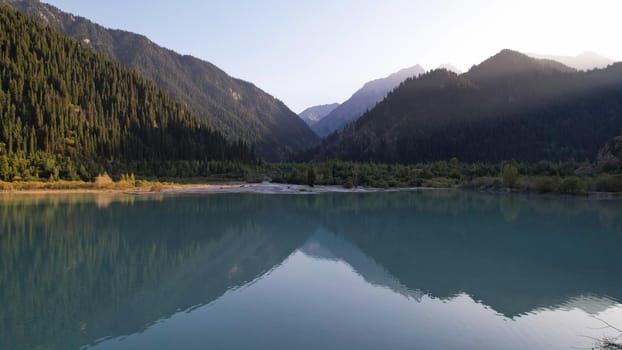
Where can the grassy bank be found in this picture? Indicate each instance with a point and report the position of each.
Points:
(101, 183)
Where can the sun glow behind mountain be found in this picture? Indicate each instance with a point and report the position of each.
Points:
(314, 52)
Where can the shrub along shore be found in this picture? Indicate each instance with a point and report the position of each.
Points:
(542, 177)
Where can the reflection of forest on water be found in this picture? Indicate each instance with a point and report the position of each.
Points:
(76, 269)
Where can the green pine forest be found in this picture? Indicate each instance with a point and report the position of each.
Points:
(68, 112)
(236, 108)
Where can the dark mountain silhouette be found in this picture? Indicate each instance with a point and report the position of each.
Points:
(508, 63)
(510, 106)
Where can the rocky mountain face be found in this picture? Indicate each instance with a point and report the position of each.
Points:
(610, 156)
(315, 114)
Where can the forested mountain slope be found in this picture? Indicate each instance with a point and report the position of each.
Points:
(509, 107)
(70, 112)
(236, 108)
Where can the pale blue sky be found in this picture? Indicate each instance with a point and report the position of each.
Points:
(321, 51)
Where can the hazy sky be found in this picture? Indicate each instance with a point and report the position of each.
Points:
(321, 51)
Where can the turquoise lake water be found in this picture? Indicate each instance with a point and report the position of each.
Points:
(404, 270)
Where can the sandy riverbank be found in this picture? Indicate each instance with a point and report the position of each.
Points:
(270, 188)
(258, 188)
(273, 188)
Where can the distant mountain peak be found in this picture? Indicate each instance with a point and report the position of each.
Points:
(409, 72)
(451, 68)
(313, 115)
(363, 100)
(529, 110)
(398, 76)
(509, 62)
(586, 60)
(588, 54)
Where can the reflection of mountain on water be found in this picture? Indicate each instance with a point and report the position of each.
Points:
(447, 244)
(325, 245)
(592, 305)
(76, 273)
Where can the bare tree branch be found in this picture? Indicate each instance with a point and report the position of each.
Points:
(609, 325)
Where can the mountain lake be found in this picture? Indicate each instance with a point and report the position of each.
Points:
(400, 270)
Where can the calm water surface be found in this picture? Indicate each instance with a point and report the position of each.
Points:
(408, 270)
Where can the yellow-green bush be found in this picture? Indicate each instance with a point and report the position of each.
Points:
(6, 186)
(103, 181)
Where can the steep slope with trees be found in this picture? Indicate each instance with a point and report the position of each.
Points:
(236, 108)
(66, 111)
(509, 107)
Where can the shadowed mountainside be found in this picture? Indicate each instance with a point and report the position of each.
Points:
(510, 106)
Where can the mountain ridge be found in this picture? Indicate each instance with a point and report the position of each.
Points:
(315, 114)
(508, 107)
(70, 112)
(235, 107)
(586, 60)
(512, 63)
(362, 100)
